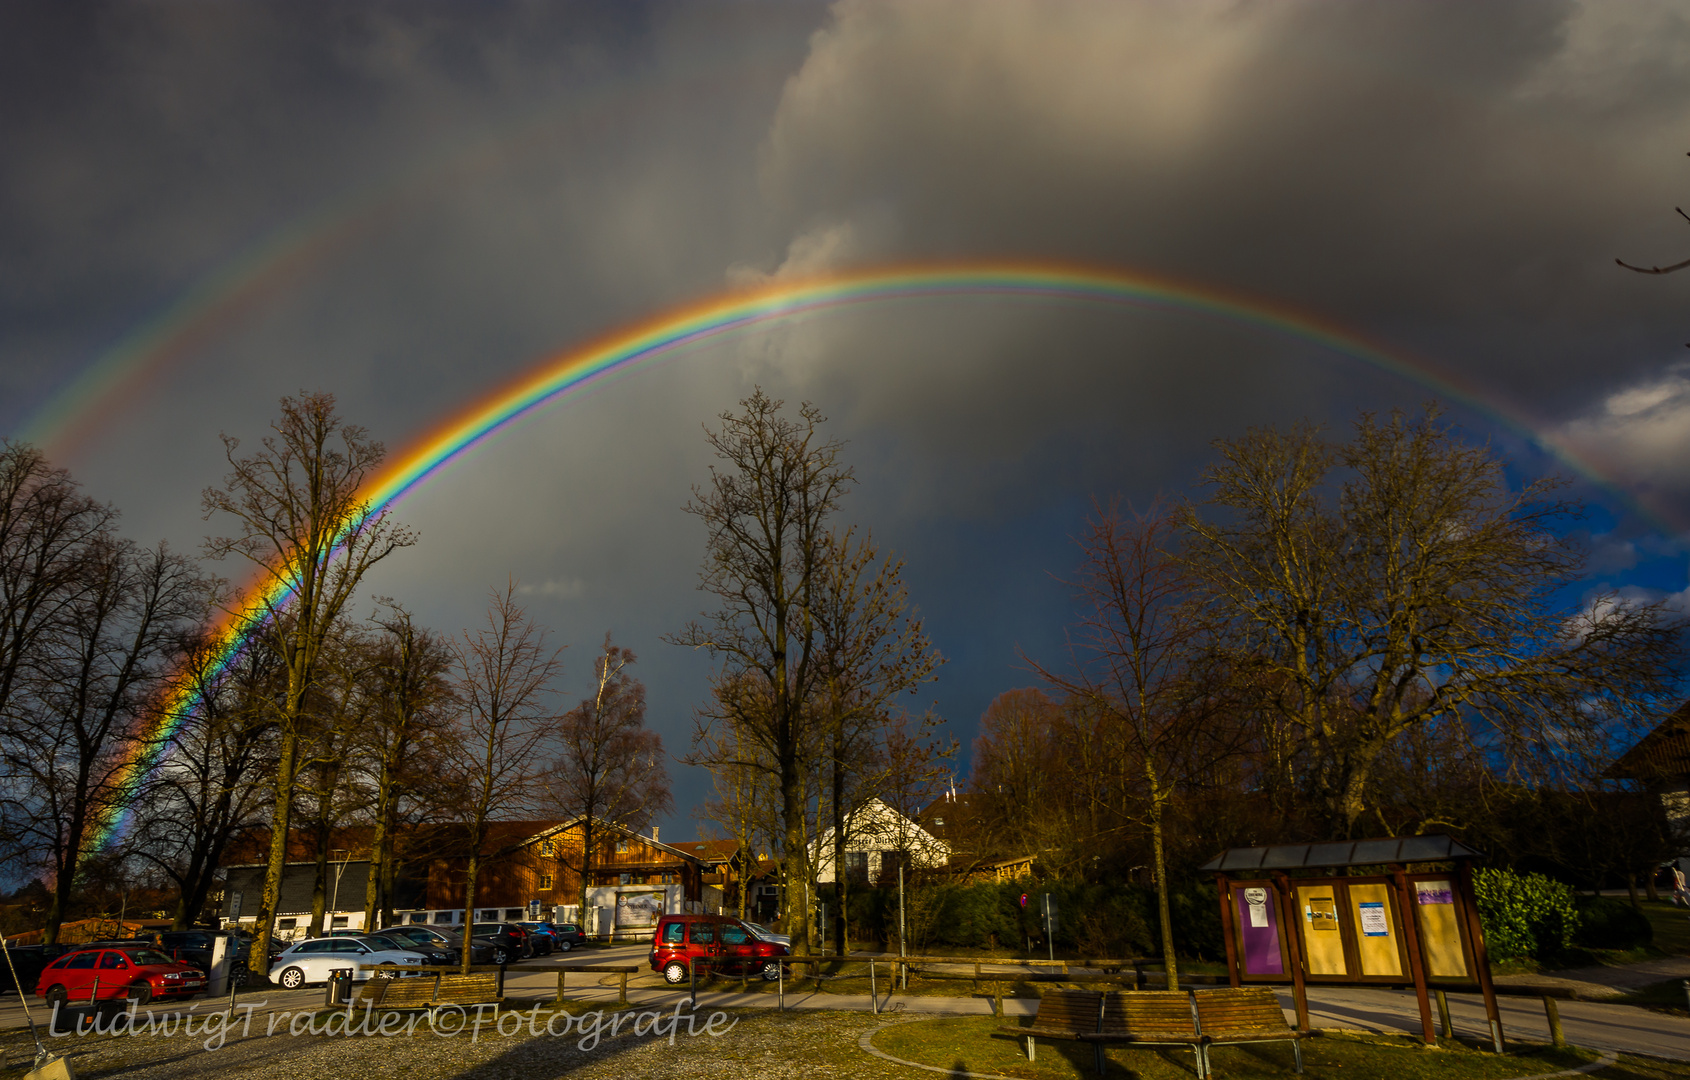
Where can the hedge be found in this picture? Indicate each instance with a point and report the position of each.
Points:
(1529, 916)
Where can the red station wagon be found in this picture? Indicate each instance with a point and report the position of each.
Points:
(725, 944)
(140, 974)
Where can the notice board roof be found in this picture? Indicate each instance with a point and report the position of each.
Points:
(1390, 849)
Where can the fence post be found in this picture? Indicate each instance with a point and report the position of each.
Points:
(873, 993)
(1443, 1014)
(1553, 1013)
(622, 994)
(562, 974)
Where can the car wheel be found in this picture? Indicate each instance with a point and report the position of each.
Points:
(140, 993)
(563, 946)
(242, 974)
(675, 973)
(292, 979)
(771, 971)
(56, 995)
(501, 957)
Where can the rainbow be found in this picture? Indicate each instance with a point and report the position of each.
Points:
(663, 335)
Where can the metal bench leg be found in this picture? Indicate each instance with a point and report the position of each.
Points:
(1201, 1053)
(1102, 1066)
(1297, 1051)
(1030, 1050)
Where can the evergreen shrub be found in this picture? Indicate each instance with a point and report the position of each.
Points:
(1526, 916)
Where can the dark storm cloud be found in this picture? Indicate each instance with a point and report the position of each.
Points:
(485, 184)
(1456, 178)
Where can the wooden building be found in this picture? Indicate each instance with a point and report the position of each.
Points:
(527, 870)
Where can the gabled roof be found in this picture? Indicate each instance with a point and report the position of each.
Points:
(1660, 755)
(709, 851)
(439, 840)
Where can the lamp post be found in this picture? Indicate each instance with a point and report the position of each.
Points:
(334, 904)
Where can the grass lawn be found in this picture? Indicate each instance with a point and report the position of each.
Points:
(973, 1044)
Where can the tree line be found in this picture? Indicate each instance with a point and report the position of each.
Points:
(1368, 637)
(329, 714)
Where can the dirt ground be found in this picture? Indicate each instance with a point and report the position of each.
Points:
(762, 1042)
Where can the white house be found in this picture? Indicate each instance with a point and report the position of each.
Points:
(877, 838)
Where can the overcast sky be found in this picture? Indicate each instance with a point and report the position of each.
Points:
(406, 203)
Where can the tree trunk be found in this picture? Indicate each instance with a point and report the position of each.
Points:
(1649, 888)
(319, 885)
(372, 886)
(795, 864)
(1631, 887)
(469, 902)
(839, 883)
(1158, 799)
(586, 873)
(259, 957)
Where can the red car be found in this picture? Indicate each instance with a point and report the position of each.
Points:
(137, 974)
(724, 944)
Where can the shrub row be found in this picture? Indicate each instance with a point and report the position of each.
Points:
(1094, 919)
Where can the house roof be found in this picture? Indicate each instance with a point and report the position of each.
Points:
(1660, 755)
(441, 840)
(710, 851)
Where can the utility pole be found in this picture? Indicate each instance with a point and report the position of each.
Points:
(902, 968)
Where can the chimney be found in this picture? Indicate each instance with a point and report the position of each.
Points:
(654, 834)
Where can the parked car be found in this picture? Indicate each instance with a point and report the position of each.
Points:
(135, 973)
(311, 961)
(480, 952)
(432, 953)
(28, 960)
(564, 936)
(724, 944)
(767, 934)
(195, 947)
(509, 941)
(540, 939)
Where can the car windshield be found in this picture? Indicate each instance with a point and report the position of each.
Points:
(148, 956)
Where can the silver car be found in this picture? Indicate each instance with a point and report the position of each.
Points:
(310, 961)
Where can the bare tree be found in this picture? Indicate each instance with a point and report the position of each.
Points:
(211, 786)
(1140, 651)
(874, 651)
(504, 672)
(47, 529)
(401, 748)
(300, 521)
(766, 514)
(1413, 588)
(611, 767)
(85, 701)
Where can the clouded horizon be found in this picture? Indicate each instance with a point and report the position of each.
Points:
(407, 205)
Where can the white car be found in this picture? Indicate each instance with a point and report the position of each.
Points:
(310, 961)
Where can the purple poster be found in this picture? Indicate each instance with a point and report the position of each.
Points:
(1258, 919)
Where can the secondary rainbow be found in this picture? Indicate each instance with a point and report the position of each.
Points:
(672, 331)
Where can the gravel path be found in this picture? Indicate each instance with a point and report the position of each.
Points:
(770, 1045)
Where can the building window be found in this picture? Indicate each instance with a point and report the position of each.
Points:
(623, 846)
(442, 917)
(625, 879)
(545, 881)
(548, 847)
(286, 924)
(668, 878)
(856, 866)
(338, 920)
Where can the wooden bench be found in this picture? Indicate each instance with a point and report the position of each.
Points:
(476, 988)
(1062, 1014)
(1148, 1018)
(370, 991)
(414, 993)
(1247, 1014)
